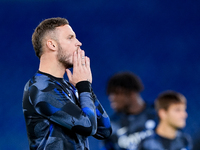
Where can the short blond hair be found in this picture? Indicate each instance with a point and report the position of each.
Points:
(44, 27)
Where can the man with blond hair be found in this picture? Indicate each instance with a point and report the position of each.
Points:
(60, 115)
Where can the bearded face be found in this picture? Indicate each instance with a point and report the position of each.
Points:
(67, 44)
(63, 58)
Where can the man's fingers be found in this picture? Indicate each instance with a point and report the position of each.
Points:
(81, 68)
(87, 62)
(82, 58)
(75, 63)
(79, 53)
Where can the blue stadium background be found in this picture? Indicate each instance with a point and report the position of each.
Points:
(156, 39)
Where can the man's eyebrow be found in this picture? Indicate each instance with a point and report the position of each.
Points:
(71, 35)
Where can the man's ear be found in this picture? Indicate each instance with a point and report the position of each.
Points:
(51, 44)
(162, 113)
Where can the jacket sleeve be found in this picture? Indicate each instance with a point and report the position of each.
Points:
(53, 103)
(104, 129)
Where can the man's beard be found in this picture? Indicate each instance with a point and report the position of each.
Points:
(63, 58)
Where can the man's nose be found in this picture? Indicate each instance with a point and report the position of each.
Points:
(79, 43)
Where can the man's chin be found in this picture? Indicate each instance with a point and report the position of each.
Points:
(180, 126)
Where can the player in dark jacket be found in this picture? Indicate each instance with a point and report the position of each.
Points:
(171, 108)
(60, 115)
(133, 119)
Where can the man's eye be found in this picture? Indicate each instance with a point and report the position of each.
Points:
(70, 37)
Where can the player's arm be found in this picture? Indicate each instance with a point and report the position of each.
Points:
(57, 106)
(104, 129)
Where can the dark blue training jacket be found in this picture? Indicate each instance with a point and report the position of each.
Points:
(59, 116)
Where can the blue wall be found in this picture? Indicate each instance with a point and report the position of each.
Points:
(157, 40)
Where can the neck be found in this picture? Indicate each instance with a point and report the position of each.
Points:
(166, 130)
(137, 106)
(51, 66)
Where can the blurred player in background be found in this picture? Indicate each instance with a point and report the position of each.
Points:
(133, 119)
(171, 109)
